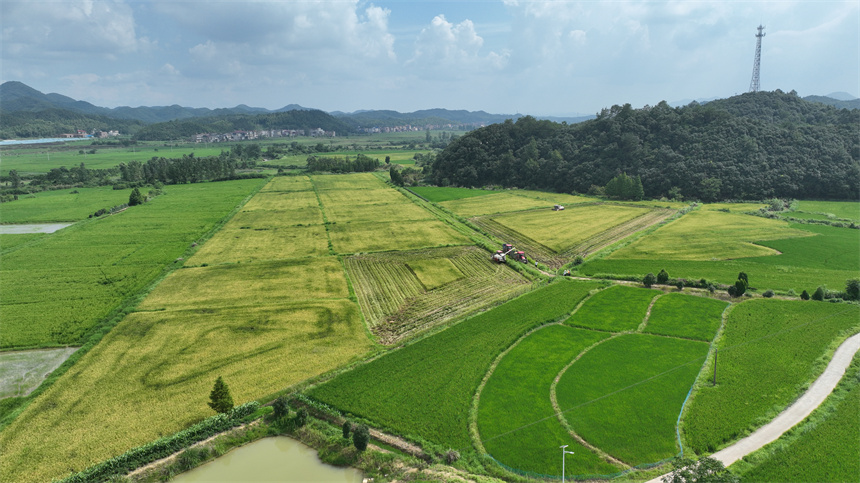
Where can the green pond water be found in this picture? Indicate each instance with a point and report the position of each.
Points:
(270, 459)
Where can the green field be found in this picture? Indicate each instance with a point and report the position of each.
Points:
(437, 195)
(849, 210)
(516, 420)
(616, 309)
(11, 242)
(830, 256)
(686, 316)
(57, 287)
(769, 351)
(62, 205)
(624, 396)
(397, 301)
(709, 235)
(823, 448)
(425, 389)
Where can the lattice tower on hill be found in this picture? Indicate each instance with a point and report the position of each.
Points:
(754, 83)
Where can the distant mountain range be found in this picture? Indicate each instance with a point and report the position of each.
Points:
(28, 112)
(18, 97)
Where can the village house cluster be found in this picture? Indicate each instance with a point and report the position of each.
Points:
(266, 133)
(96, 133)
(428, 127)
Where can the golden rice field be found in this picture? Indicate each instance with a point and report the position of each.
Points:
(152, 374)
(249, 245)
(379, 236)
(435, 272)
(378, 196)
(282, 201)
(561, 229)
(502, 202)
(399, 211)
(349, 182)
(709, 235)
(288, 183)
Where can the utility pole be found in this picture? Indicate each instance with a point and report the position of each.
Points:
(754, 83)
(564, 452)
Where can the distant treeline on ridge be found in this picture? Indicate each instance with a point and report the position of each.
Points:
(751, 146)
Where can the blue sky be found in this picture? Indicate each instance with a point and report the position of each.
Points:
(505, 56)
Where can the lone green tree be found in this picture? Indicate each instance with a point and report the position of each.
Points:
(360, 437)
(804, 295)
(663, 277)
(219, 399)
(14, 179)
(135, 198)
(281, 407)
(819, 294)
(649, 280)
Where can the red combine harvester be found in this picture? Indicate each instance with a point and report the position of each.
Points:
(501, 255)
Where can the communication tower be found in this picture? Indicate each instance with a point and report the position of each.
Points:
(754, 83)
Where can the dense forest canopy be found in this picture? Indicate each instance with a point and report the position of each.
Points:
(751, 146)
(55, 122)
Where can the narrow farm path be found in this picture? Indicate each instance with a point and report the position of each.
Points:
(797, 412)
(648, 313)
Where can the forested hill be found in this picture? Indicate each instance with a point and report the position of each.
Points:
(751, 146)
(184, 129)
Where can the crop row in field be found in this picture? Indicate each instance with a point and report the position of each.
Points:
(624, 395)
(396, 303)
(709, 235)
(365, 215)
(616, 309)
(516, 420)
(686, 316)
(502, 202)
(823, 448)
(57, 287)
(61, 205)
(770, 349)
(425, 389)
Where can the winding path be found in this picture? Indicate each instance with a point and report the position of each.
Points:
(797, 412)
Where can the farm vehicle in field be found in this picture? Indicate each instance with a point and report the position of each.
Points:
(507, 250)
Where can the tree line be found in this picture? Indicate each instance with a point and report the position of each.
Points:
(337, 164)
(753, 146)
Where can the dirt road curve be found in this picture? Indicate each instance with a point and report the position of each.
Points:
(797, 412)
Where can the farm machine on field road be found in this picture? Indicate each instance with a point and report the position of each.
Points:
(508, 250)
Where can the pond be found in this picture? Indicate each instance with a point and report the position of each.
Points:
(270, 459)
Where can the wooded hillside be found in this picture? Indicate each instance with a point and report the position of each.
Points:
(751, 146)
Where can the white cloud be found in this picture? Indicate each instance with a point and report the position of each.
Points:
(40, 29)
(453, 50)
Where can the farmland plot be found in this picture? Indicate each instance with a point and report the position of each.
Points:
(349, 182)
(502, 202)
(152, 375)
(555, 237)
(62, 205)
(397, 301)
(770, 350)
(686, 316)
(425, 389)
(57, 287)
(288, 183)
(616, 309)
(376, 237)
(436, 194)
(248, 245)
(516, 420)
(624, 396)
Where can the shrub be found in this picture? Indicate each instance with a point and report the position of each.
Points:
(347, 427)
(804, 295)
(740, 287)
(360, 437)
(649, 280)
(711, 288)
(301, 417)
(767, 294)
(281, 407)
(852, 289)
(680, 284)
(452, 456)
(663, 277)
(135, 198)
(819, 293)
(577, 260)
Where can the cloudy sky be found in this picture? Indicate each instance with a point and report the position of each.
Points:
(501, 56)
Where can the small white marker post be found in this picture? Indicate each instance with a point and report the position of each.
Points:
(563, 453)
